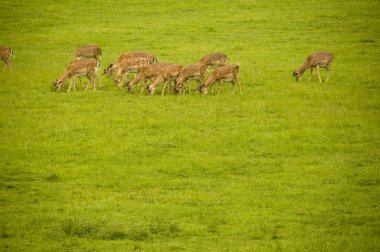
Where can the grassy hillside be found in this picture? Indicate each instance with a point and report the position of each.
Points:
(286, 165)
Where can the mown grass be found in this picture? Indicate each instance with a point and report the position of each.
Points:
(286, 165)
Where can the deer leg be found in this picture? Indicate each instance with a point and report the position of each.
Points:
(319, 75)
(219, 84)
(144, 86)
(188, 86)
(99, 81)
(80, 81)
(238, 82)
(233, 87)
(163, 91)
(311, 71)
(328, 73)
(71, 83)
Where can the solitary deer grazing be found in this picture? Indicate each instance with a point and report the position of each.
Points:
(88, 51)
(221, 74)
(315, 60)
(191, 72)
(128, 55)
(128, 66)
(6, 55)
(146, 73)
(214, 59)
(86, 67)
(167, 75)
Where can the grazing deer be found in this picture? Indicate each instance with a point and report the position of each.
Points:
(129, 66)
(214, 59)
(315, 60)
(88, 51)
(191, 72)
(85, 67)
(96, 76)
(129, 55)
(166, 75)
(6, 55)
(223, 74)
(146, 73)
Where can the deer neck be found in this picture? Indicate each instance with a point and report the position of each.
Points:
(303, 68)
(64, 76)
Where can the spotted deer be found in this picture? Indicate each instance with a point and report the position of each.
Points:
(146, 73)
(166, 75)
(226, 73)
(89, 52)
(127, 66)
(109, 71)
(214, 59)
(191, 72)
(6, 55)
(315, 60)
(85, 67)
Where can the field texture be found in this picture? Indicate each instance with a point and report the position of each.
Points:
(285, 166)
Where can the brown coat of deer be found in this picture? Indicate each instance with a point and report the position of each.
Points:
(6, 55)
(127, 66)
(89, 52)
(223, 74)
(214, 59)
(315, 60)
(146, 73)
(191, 72)
(167, 75)
(85, 67)
(128, 55)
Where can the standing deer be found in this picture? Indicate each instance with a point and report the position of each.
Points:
(85, 67)
(6, 55)
(127, 66)
(166, 75)
(315, 60)
(128, 55)
(191, 72)
(226, 73)
(146, 73)
(88, 51)
(214, 59)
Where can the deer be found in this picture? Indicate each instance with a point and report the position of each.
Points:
(226, 73)
(146, 73)
(127, 66)
(89, 52)
(191, 72)
(6, 55)
(166, 75)
(85, 67)
(315, 60)
(128, 55)
(214, 59)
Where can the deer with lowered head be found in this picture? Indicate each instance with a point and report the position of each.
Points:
(191, 72)
(214, 59)
(128, 55)
(149, 72)
(226, 73)
(6, 55)
(85, 67)
(127, 66)
(315, 60)
(89, 52)
(166, 75)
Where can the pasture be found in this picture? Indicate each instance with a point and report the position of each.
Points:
(285, 166)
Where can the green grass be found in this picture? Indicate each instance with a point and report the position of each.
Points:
(285, 166)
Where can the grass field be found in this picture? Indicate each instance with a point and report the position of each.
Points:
(285, 166)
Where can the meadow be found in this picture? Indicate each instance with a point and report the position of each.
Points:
(284, 166)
